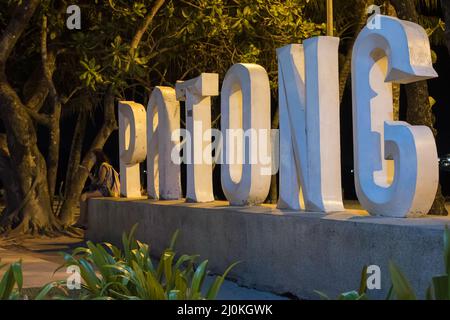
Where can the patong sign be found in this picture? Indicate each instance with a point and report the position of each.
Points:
(396, 164)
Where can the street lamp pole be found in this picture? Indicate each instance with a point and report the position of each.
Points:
(330, 18)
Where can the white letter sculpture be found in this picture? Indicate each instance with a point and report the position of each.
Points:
(397, 52)
(132, 146)
(163, 118)
(245, 107)
(309, 125)
(197, 93)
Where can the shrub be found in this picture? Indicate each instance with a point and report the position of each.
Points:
(129, 273)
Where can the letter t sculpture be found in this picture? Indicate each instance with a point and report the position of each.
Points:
(197, 93)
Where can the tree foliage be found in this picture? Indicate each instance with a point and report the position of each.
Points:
(122, 51)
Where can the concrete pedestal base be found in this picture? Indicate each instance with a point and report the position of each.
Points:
(281, 251)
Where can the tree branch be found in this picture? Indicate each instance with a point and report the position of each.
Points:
(46, 64)
(15, 28)
(80, 176)
(142, 29)
(36, 88)
(446, 11)
(66, 99)
(41, 118)
(55, 115)
(4, 151)
(147, 21)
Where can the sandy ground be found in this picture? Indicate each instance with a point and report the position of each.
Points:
(39, 258)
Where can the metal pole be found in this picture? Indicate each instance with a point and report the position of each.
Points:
(330, 18)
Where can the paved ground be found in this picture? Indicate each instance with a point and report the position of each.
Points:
(40, 259)
(37, 271)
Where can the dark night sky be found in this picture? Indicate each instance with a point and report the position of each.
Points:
(440, 91)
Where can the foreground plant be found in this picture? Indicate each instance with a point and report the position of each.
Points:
(111, 273)
(11, 282)
(439, 288)
(11, 285)
(351, 295)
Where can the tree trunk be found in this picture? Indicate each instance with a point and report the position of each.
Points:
(75, 149)
(445, 4)
(80, 176)
(8, 178)
(273, 192)
(419, 109)
(55, 116)
(34, 214)
(53, 153)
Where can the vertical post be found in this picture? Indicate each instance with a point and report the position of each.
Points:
(330, 18)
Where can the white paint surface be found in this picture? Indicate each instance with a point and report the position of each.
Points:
(132, 146)
(399, 52)
(245, 107)
(197, 93)
(163, 118)
(309, 125)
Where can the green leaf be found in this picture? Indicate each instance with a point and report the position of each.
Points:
(174, 294)
(363, 281)
(168, 260)
(447, 258)
(429, 293)
(42, 295)
(440, 286)
(197, 280)
(215, 287)
(390, 294)
(322, 295)
(447, 250)
(89, 276)
(11, 278)
(352, 295)
(432, 101)
(17, 271)
(158, 290)
(401, 286)
(174, 240)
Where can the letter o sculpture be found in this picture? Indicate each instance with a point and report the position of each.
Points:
(245, 107)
